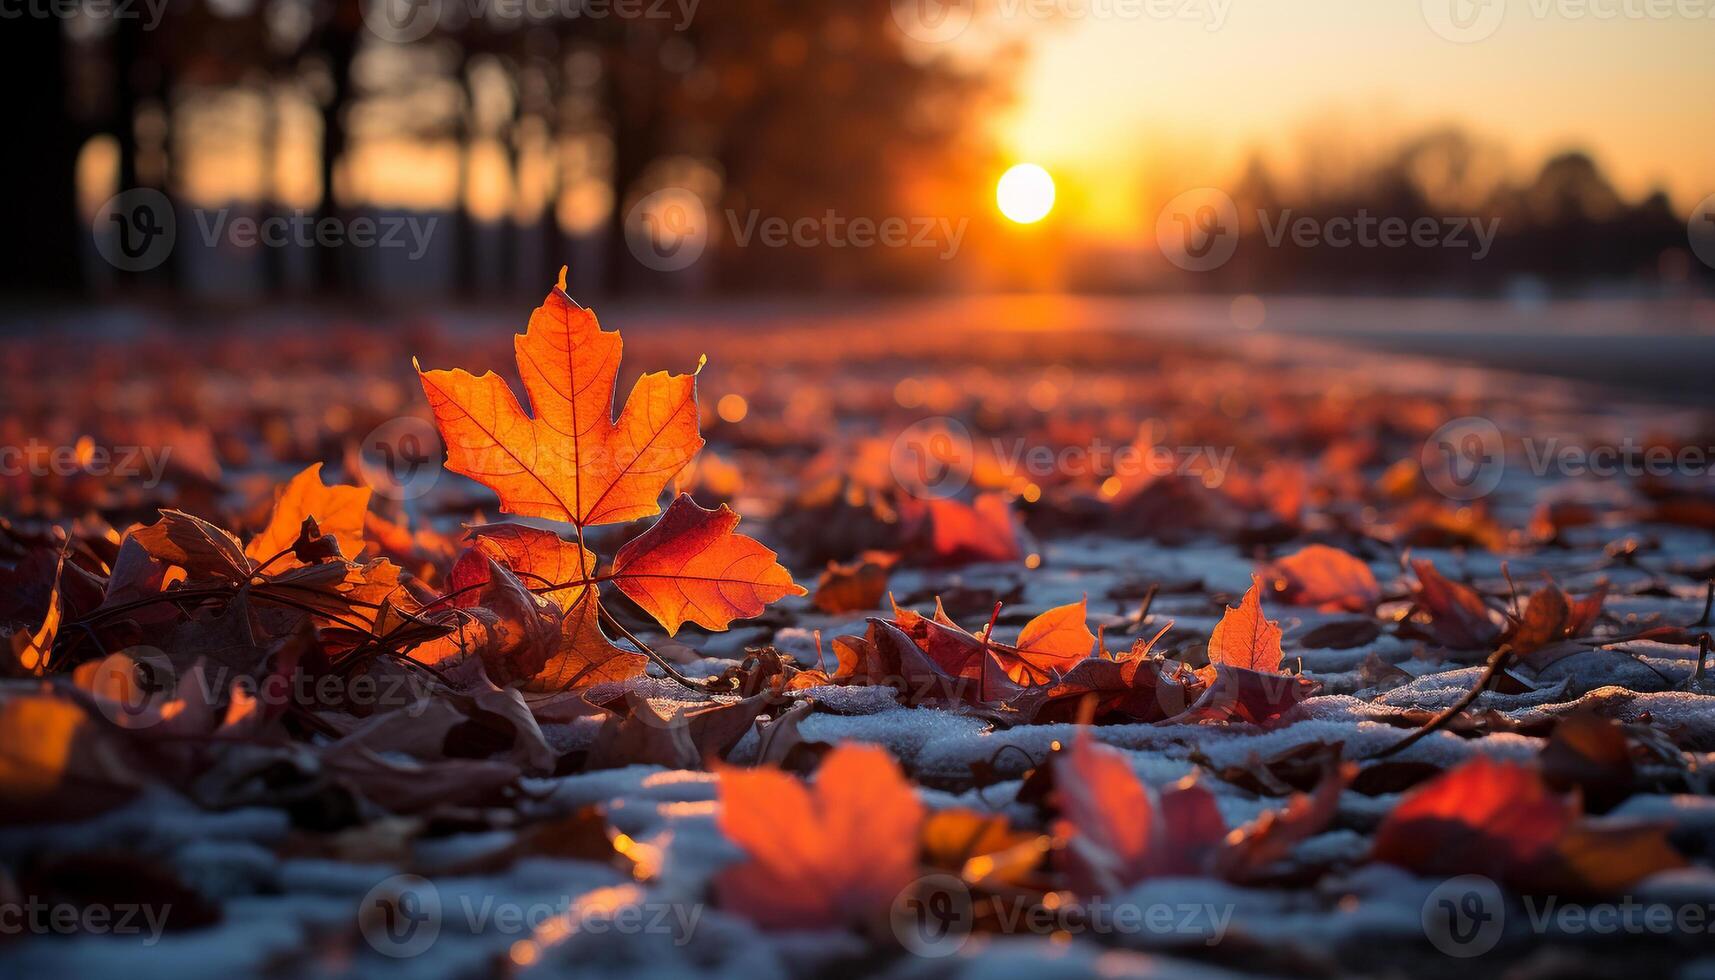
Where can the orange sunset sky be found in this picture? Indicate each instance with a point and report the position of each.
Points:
(1129, 110)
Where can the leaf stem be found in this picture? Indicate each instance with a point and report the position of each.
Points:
(660, 661)
(1497, 663)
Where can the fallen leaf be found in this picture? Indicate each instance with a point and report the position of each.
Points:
(856, 586)
(691, 567)
(193, 544)
(338, 511)
(1327, 578)
(833, 854)
(1484, 817)
(1458, 617)
(56, 763)
(1244, 638)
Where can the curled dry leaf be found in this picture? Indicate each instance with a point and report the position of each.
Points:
(204, 551)
(337, 510)
(832, 854)
(1550, 617)
(1118, 832)
(1134, 687)
(856, 586)
(584, 655)
(510, 629)
(538, 557)
(1458, 617)
(687, 737)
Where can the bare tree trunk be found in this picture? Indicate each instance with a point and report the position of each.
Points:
(333, 273)
(43, 167)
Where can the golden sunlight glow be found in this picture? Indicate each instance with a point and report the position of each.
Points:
(1025, 193)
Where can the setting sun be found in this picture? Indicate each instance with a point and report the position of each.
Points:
(1025, 193)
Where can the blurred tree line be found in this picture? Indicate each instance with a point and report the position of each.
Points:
(553, 117)
(1562, 226)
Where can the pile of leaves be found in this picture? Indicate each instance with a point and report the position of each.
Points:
(355, 663)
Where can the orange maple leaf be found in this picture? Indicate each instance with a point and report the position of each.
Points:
(571, 461)
(338, 511)
(826, 856)
(1244, 638)
(691, 567)
(1052, 644)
